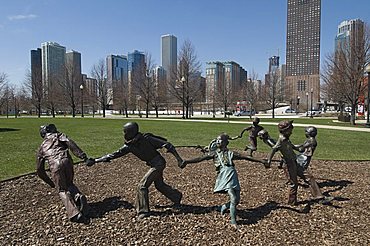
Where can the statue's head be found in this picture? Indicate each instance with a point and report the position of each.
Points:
(222, 140)
(130, 130)
(310, 131)
(263, 134)
(49, 128)
(256, 121)
(285, 127)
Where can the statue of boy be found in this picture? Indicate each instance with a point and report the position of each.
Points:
(286, 149)
(54, 150)
(145, 146)
(300, 161)
(227, 179)
(303, 161)
(253, 132)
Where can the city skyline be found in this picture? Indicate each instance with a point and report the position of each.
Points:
(246, 32)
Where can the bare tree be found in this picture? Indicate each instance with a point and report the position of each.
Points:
(187, 78)
(272, 90)
(3, 88)
(120, 96)
(70, 86)
(98, 72)
(250, 91)
(343, 73)
(33, 86)
(145, 85)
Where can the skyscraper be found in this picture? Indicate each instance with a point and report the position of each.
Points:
(36, 74)
(169, 54)
(117, 77)
(303, 51)
(73, 70)
(136, 72)
(350, 34)
(53, 65)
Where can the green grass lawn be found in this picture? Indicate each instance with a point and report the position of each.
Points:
(20, 139)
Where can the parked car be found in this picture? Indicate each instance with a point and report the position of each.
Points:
(289, 111)
(313, 112)
(245, 113)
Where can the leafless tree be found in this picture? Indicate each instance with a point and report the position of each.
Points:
(187, 77)
(145, 83)
(250, 91)
(99, 72)
(70, 86)
(271, 90)
(120, 96)
(343, 73)
(33, 86)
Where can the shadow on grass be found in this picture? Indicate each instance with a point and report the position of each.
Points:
(8, 129)
(99, 209)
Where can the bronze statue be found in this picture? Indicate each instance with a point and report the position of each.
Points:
(252, 138)
(295, 165)
(227, 179)
(145, 146)
(286, 149)
(54, 150)
(303, 161)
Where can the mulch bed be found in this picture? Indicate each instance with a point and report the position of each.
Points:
(32, 214)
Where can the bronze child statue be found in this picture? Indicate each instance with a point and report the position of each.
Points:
(145, 146)
(295, 165)
(303, 160)
(227, 178)
(253, 133)
(54, 150)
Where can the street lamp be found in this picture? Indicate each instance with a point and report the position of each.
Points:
(368, 94)
(82, 100)
(298, 98)
(307, 103)
(183, 96)
(311, 102)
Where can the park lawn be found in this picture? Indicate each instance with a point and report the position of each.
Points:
(20, 139)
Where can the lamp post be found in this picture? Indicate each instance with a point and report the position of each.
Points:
(311, 103)
(307, 103)
(183, 96)
(368, 95)
(298, 98)
(82, 100)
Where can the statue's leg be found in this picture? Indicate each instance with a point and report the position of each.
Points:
(234, 201)
(293, 182)
(172, 194)
(142, 196)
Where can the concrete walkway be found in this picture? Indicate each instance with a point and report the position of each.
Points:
(341, 128)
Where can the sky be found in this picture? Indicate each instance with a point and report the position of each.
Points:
(245, 31)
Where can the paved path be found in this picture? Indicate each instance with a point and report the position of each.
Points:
(342, 128)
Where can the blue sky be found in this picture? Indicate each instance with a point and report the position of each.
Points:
(245, 31)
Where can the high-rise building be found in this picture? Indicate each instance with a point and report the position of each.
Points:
(169, 55)
(303, 50)
(73, 71)
(53, 66)
(136, 72)
(221, 76)
(117, 78)
(350, 35)
(36, 73)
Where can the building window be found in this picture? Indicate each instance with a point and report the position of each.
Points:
(301, 85)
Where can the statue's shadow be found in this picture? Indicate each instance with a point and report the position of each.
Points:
(183, 209)
(99, 209)
(252, 216)
(8, 129)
